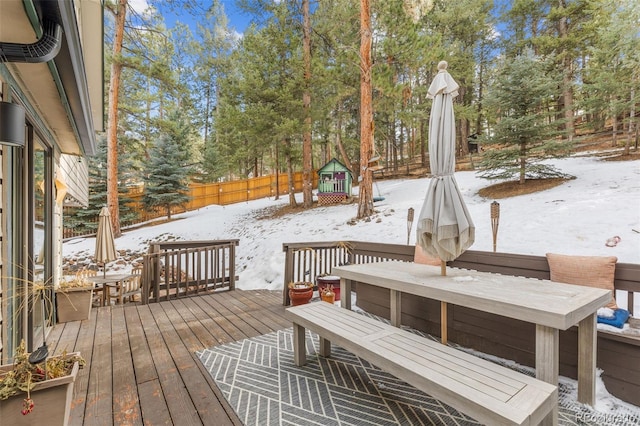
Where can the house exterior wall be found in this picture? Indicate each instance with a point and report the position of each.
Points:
(73, 172)
(62, 96)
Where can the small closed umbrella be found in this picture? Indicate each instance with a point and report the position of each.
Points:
(445, 228)
(105, 242)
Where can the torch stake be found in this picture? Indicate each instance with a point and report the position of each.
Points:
(409, 223)
(495, 220)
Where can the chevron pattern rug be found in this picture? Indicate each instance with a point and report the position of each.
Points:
(265, 388)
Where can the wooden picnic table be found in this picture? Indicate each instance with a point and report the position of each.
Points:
(550, 305)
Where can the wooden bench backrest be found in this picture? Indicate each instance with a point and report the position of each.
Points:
(306, 261)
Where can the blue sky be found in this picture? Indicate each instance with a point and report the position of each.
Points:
(238, 20)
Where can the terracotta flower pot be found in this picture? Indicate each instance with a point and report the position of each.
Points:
(300, 293)
(330, 281)
(328, 295)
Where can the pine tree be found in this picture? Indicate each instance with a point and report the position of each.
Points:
(212, 52)
(524, 93)
(85, 220)
(166, 182)
(611, 77)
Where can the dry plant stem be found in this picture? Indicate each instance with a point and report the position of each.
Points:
(24, 375)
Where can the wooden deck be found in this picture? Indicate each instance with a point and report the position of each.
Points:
(141, 363)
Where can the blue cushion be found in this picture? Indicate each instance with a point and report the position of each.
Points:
(620, 317)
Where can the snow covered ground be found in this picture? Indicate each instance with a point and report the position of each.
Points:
(575, 218)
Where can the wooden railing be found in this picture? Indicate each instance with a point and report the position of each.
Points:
(333, 185)
(185, 268)
(307, 261)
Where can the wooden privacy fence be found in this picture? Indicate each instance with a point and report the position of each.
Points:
(202, 195)
(185, 268)
(224, 193)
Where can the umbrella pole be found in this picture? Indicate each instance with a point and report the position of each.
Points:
(443, 322)
(443, 308)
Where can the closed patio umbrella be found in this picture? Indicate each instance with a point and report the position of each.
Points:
(105, 242)
(445, 229)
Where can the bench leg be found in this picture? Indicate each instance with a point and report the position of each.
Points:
(299, 345)
(548, 363)
(396, 308)
(325, 347)
(345, 293)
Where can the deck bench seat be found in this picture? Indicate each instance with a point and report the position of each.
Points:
(489, 393)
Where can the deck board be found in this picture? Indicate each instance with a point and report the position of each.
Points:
(98, 409)
(141, 363)
(83, 344)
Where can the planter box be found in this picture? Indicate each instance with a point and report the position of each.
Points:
(52, 402)
(74, 304)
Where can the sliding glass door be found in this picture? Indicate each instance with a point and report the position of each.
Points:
(39, 240)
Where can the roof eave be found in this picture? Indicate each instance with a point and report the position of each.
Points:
(71, 67)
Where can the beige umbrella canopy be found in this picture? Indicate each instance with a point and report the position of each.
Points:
(105, 243)
(445, 228)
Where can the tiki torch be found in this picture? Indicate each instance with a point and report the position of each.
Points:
(409, 223)
(495, 220)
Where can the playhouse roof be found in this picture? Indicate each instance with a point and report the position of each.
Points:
(334, 166)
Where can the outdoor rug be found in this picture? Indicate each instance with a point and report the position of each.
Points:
(258, 378)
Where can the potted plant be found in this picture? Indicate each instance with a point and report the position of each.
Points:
(73, 300)
(38, 393)
(300, 292)
(329, 281)
(327, 294)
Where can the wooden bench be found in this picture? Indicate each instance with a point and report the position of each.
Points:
(486, 391)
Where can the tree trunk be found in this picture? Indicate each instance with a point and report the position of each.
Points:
(423, 143)
(567, 75)
(112, 129)
(463, 126)
(307, 181)
(207, 112)
(393, 144)
(523, 162)
(614, 137)
(277, 172)
(365, 203)
(343, 153)
(479, 117)
(632, 118)
(292, 189)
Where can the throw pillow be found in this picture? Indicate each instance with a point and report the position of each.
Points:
(620, 316)
(592, 271)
